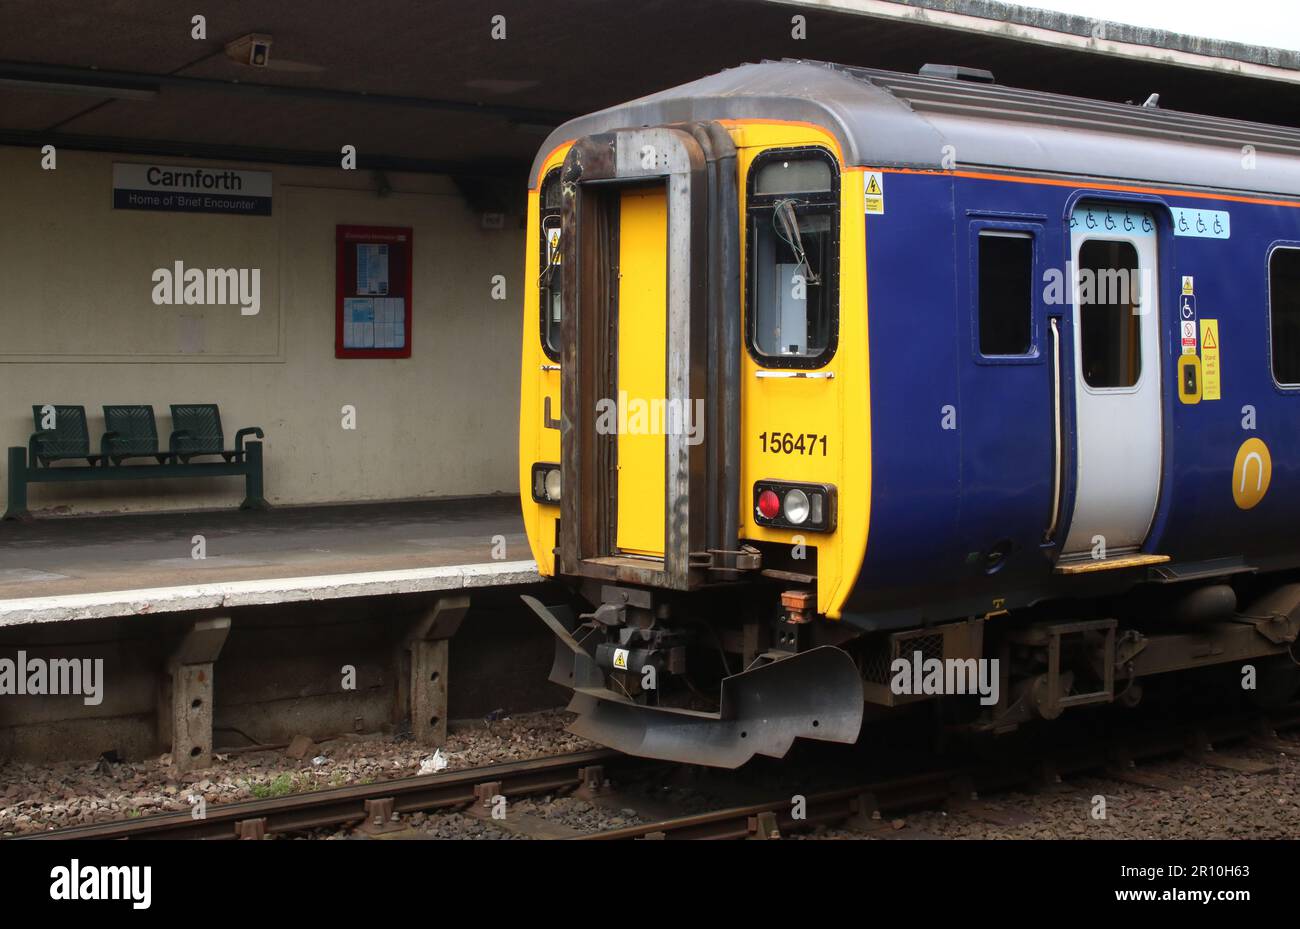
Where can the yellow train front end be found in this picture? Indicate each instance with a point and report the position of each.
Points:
(695, 432)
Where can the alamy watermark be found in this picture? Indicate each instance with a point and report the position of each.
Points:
(76, 881)
(936, 677)
(24, 676)
(1098, 287)
(658, 416)
(182, 286)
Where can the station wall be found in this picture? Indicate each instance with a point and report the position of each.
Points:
(78, 325)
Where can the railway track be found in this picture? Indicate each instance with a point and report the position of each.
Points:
(859, 806)
(863, 806)
(866, 807)
(374, 807)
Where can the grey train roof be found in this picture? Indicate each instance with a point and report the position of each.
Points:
(888, 119)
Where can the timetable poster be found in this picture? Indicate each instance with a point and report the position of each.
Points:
(373, 274)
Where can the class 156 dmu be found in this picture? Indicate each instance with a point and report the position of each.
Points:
(846, 389)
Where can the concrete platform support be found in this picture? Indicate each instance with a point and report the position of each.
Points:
(429, 647)
(185, 708)
(429, 691)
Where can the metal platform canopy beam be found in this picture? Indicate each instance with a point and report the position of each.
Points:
(185, 707)
(1075, 33)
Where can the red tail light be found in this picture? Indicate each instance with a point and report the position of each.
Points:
(793, 505)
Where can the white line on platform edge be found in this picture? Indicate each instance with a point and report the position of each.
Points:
(264, 592)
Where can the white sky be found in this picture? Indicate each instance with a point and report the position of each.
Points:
(1274, 23)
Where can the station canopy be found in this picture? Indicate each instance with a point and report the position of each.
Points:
(427, 87)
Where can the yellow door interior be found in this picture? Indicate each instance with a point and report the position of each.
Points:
(642, 368)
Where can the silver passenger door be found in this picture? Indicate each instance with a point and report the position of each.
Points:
(1116, 317)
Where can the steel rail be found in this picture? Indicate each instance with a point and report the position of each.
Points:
(343, 805)
(829, 806)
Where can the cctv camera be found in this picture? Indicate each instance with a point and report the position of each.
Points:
(259, 52)
(253, 49)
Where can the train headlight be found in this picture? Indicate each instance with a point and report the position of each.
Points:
(795, 505)
(546, 482)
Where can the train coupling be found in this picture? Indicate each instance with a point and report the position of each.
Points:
(816, 694)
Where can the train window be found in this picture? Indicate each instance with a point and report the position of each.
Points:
(1006, 292)
(1110, 337)
(549, 277)
(793, 243)
(1284, 314)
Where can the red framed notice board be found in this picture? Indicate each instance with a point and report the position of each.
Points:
(372, 292)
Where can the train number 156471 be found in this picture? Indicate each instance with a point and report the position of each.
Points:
(791, 443)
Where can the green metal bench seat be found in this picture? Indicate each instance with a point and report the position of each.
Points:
(131, 432)
(66, 438)
(196, 430)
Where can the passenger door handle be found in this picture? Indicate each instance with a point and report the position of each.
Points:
(1057, 428)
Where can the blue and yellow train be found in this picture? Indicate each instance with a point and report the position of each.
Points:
(831, 375)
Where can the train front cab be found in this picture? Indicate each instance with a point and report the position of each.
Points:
(695, 413)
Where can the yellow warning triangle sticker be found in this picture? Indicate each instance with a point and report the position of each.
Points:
(1209, 339)
(872, 186)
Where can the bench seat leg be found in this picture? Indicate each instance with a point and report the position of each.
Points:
(16, 506)
(253, 499)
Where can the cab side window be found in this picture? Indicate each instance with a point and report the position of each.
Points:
(1006, 292)
(549, 280)
(792, 284)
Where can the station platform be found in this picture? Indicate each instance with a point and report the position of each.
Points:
(70, 568)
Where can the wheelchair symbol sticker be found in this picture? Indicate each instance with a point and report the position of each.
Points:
(1202, 224)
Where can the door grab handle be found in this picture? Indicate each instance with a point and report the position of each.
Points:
(1056, 427)
(826, 375)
